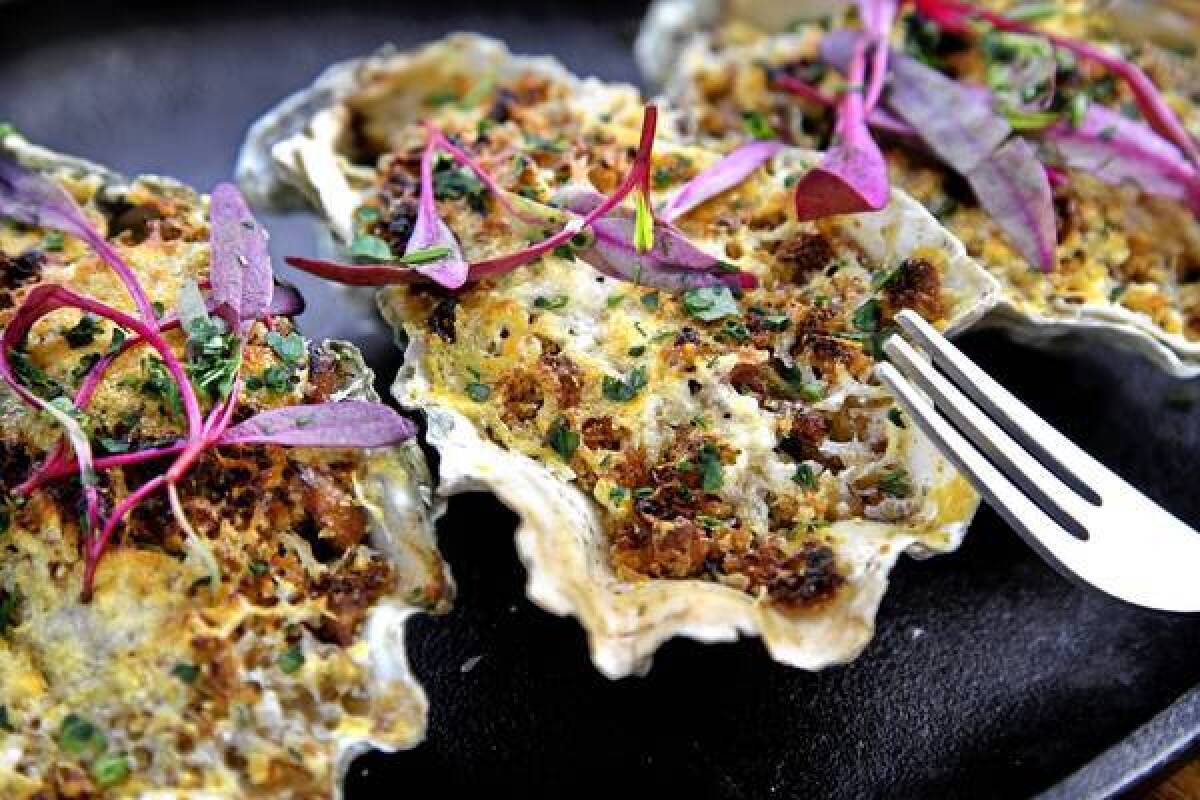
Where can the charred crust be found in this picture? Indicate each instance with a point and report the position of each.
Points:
(806, 253)
(917, 284)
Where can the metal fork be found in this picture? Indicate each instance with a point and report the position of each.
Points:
(1086, 521)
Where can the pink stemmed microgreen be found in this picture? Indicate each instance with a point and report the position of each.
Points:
(956, 16)
(640, 233)
(852, 175)
(241, 290)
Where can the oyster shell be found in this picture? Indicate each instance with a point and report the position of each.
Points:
(561, 537)
(676, 39)
(392, 486)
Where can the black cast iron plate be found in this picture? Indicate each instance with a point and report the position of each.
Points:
(990, 675)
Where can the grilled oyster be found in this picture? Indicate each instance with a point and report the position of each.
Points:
(1128, 261)
(678, 469)
(254, 656)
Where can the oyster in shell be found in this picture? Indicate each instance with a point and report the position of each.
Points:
(1127, 261)
(677, 471)
(256, 660)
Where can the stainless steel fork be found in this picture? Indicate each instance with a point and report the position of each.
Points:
(1085, 520)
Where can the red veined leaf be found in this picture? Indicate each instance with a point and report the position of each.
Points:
(350, 423)
(240, 265)
(34, 199)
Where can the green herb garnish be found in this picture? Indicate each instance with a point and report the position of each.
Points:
(562, 439)
(80, 737)
(711, 475)
(110, 770)
(552, 303)
(805, 476)
(622, 391)
(289, 348)
(757, 126)
(366, 247)
(479, 392)
(895, 483)
(83, 332)
(291, 660)
(188, 673)
(710, 303)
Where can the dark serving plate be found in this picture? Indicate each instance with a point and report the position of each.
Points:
(990, 675)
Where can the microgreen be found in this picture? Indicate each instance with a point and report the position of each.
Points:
(623, 390)
(241, 291)
(562, 439)
(628, 245)
(710, 304)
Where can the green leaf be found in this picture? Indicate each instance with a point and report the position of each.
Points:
(277, 378)
(479, 392)
(617, 495)
(895, 482)
(643, 224)
(188, 673)
(650, 301)
(614, 300)
(5, 724)
(291, 660)
(551, 303)
(441, 97)
(289, 348)
(366, 247)
(84, 332)
(896, 417)
(426, 256)
(258, 567)
(711, 475)
(54, 241)
(637, 351)
(710, 303)
(805, 477)
(866, 316)
(80, 737)
(562, 439)
(622, 391)
(114, 445)
(8, 609)
(757, 126)
(110, 770)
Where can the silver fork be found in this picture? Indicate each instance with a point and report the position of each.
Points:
(1086, 521)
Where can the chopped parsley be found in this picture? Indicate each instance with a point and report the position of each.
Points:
(711, 475)
(84, 332)
(617, 495)
(54, 241)
(895, 483)
(757, 126)
(366, 247)
(735, 331)
(80, 737)
(896, 417)
(622, 391)
(866, 316)
(771, 320)
(258, 567)
(8, 610)
(214, 356)
(452, 182)
(650, 301)
(805, 476)
(710, 303)
(550, 303)
(637, 351)
(157, 382)
(110, 770)
(188, 673)
(562, 439)
(289, 348)
(291, 660)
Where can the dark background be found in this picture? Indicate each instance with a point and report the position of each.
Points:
(990, 676)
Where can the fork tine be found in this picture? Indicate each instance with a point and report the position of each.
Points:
(1051, 494)
(1060, 455)
(1008, 501)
